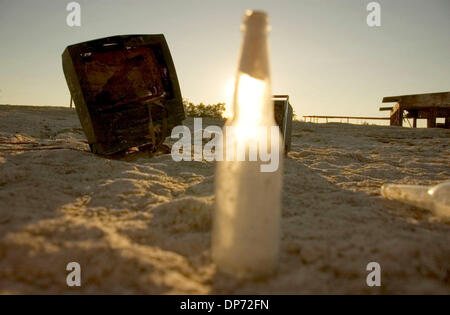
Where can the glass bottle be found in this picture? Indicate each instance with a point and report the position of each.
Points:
(435, 199)
(246, 219)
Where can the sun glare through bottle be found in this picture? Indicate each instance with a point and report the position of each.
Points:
(246, 220)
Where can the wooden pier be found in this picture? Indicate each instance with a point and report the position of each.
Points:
(315, 118)
(419, 106)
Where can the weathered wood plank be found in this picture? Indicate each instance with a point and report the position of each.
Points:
(427, 112)
(421, 100)
(396, 116)
(348, 117)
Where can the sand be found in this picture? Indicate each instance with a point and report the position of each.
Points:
(142, 225)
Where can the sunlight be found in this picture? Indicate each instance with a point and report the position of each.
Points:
(229, 92)
(250, 106)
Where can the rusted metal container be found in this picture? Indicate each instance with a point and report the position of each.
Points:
(283, 117)
(125, 90)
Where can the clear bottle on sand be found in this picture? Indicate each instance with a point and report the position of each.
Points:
(435, 199)
(246, 220)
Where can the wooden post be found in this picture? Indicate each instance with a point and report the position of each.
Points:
(447, 122)
(409, 123)
(71, 102)
(397, 115)
(431, 122)
(415, 122)
(431, 119)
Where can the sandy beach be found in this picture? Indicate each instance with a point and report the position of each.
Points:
(142, 224)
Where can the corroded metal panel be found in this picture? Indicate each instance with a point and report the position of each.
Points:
(283, 117)
(125, 90)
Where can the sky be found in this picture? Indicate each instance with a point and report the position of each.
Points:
(322, 52)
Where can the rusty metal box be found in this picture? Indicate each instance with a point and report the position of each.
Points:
(125, 90)
(283, 117)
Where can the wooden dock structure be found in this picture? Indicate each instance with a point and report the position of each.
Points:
(427, 106)
(315, 118)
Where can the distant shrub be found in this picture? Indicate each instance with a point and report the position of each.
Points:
(202, 110)
(210, 110)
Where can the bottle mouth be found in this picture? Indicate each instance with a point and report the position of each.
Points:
(256, 20)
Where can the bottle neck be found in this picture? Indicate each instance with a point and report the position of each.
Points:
(253, 104)
(254, 56)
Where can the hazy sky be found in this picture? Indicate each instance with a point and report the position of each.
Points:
(323, 54)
